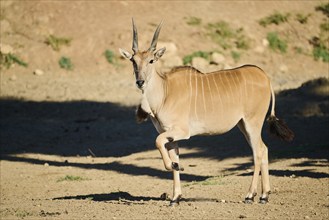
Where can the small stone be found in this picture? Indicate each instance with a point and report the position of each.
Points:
(265, 42)
(172, 61)
(222, 201)
(13, 78)
(38, 72)
(293, 176)
(164, 196)
(46, 164)
(171, 48)
(200, 63)
(217, 58)
(242, 216)
(6, 49)
(307, 217)
(283, 68)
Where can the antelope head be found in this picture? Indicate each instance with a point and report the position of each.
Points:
(143, 61)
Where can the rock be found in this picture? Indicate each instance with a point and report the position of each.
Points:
(6, 49)
(265, 42)
(217, 58)
(307, 217)
(171, 61)
(200, 63)
(222, 201)
(171, 48)
(283, 68)
(13, 78)
(164, 196)
(38, 72)
(46, 164)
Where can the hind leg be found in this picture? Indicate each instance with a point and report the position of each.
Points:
(266, 190)
(252, 132)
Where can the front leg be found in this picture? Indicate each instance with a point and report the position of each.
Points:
(174, 156)
(167, 137)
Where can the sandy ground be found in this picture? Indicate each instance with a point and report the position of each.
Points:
(70, 148)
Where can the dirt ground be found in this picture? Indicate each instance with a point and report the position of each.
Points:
(70, 147)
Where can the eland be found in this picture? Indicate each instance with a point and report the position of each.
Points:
(185, 102)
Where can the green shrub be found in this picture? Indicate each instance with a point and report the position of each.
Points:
(276, 18)
(110, 57)
(301, 18)
(226, 36)
(9, 59)
(235, 55)
(324, 8)
(188, 58)
(57, 42)
(65, 63)
(71, 178)
(321, 53)
(194, 21)
(275, 43)
(324, 27)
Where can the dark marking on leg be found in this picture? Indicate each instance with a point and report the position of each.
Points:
(176, 167)
(263, 200)
(250, 200)
(170, 139)
(175, 202)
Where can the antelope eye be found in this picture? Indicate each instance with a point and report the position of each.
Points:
(151, 61)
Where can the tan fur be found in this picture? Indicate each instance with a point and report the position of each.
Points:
(185, 102)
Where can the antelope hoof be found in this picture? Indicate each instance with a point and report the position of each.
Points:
(175, 202)
(175, 166)
(248, 200)
(263, 200)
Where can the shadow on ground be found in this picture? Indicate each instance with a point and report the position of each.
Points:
(109, 130)
(127, 198)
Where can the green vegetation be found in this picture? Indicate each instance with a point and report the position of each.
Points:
(299, 50)
(320, 43)
(65, 63)
(57, 42)
(226, 36)
(188, 59)
(193, 21)
(324, 8)
(71, 178)
(275, 43)
(324, 27)
(235, 55)
(22, 213)
(110, 57)
(276, 18)
(216, 180)
(301, 18)
(7, 60)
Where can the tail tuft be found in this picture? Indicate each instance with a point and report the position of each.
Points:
(280, 129)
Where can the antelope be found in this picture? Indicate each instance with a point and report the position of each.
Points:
(185, 102)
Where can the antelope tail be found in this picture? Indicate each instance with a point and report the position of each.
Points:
(277, 126)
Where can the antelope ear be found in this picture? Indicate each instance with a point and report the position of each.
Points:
(125, 54)
(159, 53)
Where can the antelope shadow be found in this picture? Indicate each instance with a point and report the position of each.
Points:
(108, 130)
